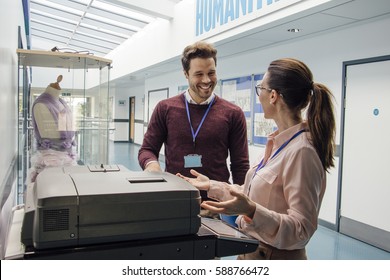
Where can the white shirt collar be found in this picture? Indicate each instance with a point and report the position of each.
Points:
(191, 101)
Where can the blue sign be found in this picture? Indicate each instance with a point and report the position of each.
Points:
(211, 14)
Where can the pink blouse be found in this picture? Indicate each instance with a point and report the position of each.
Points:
(288, 192)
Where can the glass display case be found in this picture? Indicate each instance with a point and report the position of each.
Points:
(85, 89)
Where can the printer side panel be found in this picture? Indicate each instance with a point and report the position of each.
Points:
(134, 206)
(29, 213)
(56, 215)
(137, 216)
(196, 200)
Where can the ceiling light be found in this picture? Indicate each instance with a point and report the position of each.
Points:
(294, 30)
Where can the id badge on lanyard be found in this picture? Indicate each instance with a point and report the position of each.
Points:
(192, 160)
(195, 160)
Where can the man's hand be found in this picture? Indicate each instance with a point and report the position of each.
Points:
(153, 167)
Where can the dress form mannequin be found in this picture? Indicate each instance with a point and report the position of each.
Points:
(44, 119)
(53, 130)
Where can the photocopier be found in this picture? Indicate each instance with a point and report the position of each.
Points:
(110, 212)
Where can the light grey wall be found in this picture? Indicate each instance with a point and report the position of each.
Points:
(11, 16)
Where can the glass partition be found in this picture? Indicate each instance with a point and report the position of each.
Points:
(85, 91)
(24, 134)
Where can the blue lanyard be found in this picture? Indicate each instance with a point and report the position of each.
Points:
(261, 165)
(201, 122)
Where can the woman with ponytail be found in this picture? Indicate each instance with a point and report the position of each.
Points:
(280, 200)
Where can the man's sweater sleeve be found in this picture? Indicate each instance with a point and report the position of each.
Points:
(154, 137)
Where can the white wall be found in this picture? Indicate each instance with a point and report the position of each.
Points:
(158, 42)
(11, 16)
(163, 40)
(324, 54)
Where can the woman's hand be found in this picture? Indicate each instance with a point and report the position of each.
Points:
(201, 182)
(239, 205)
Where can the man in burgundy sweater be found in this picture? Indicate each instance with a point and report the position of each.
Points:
(198, 128)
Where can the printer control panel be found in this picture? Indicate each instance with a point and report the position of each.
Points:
(104, 168)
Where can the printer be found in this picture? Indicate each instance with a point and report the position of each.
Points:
(95, 204)
(107, 212)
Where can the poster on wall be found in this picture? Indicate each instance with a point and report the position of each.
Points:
(181, 89)
(262, 127)
(238, 91)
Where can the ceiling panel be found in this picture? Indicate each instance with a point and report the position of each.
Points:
(128, 20)
(97, 26)
(76, 5)
(361, 9)
(308, 25)
(87, 47)
(50, 21)
(42, 29)
(109, 27)
(95, 41)
(44, 9)
(46, 36)
(241, 45)
(276, 33)
(104, 36)
(53, 36)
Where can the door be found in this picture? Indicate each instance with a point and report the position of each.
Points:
(365, 184)
(155, 96)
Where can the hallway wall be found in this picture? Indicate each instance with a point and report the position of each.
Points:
(324, 54)
(11, 16)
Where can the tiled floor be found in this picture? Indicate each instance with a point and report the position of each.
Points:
(326, 244)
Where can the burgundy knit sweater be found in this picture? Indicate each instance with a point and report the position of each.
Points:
(223, 131)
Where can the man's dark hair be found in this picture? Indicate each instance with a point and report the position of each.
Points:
(199, 49)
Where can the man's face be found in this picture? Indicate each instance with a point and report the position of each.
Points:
(202, 78)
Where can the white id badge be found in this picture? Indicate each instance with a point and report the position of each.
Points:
(192, 161)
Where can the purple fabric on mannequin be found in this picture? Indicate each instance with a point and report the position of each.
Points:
(66, 140)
